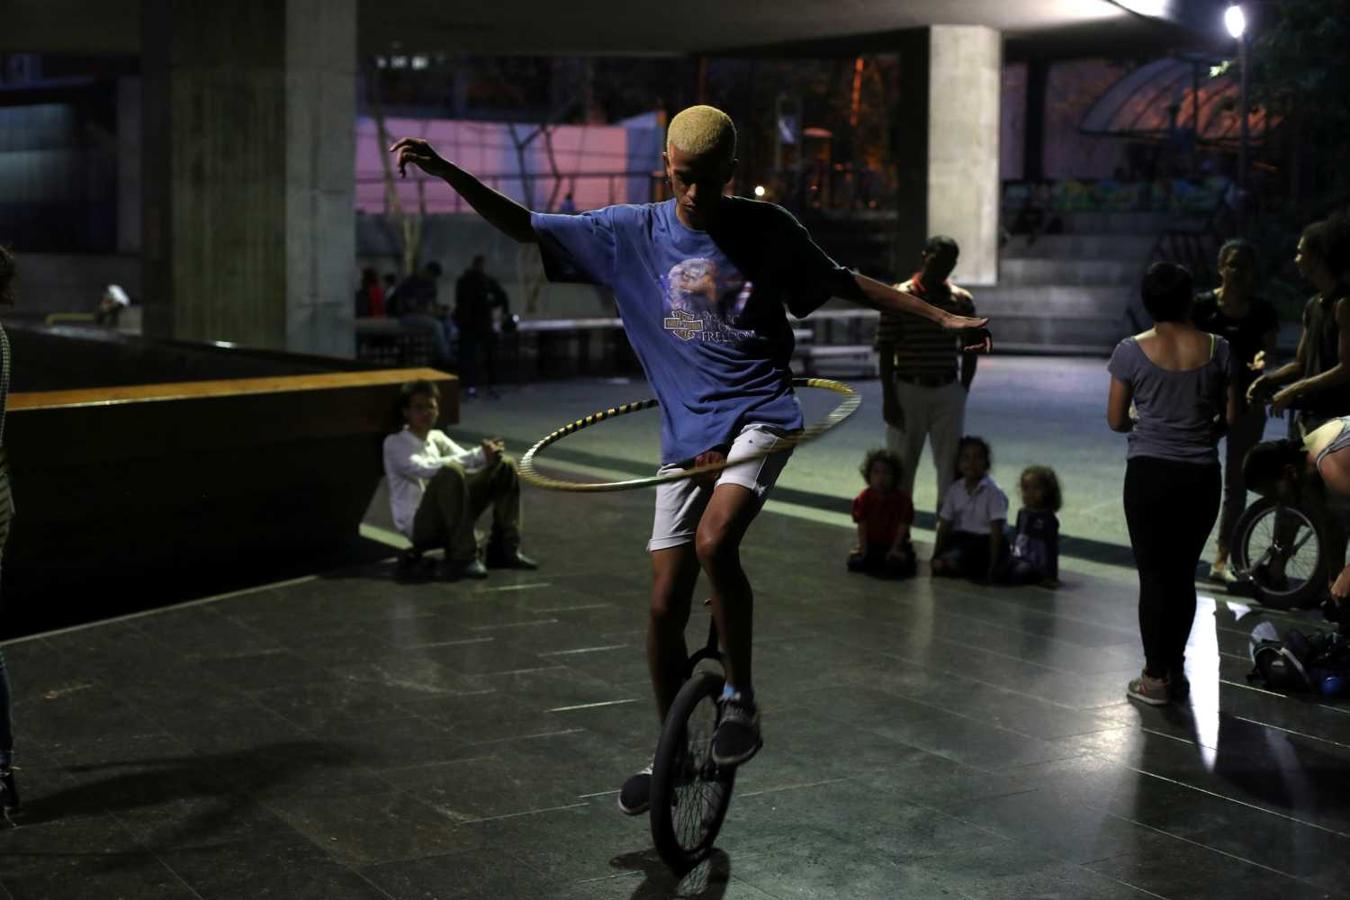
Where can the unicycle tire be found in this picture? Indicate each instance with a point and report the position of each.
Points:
(690, 794)
(1254, 542)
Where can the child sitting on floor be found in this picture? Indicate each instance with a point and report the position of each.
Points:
(884, 514)
(1035, 548)
(970, 541)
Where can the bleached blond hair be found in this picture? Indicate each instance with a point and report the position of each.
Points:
(702, 130)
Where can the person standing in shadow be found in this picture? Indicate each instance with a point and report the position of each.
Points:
(925, 372)
(416, 303)
(477, 294)
(9, 792)
(1250, 324)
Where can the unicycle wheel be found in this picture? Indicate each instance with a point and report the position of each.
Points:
(1271, 536)
(690, 794)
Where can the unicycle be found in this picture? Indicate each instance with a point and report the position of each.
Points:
(1282, 550)
(690, 793)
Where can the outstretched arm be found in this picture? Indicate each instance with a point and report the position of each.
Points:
(881, 296)
(1333, 377)
(503, 213)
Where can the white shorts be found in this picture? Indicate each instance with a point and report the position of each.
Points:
(680, 504)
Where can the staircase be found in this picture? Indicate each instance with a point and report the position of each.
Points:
(1067, 294)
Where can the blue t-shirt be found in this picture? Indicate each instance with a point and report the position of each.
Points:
(703, 310)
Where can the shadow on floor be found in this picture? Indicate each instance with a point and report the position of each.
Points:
(707, 881)
(235, 779)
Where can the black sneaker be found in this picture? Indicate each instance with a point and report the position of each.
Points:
(636, 794)
(737, 737)
(413, 566)
(9, 791)
(455, 570)
(509, 558)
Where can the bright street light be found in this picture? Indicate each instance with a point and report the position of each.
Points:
(1235, 21)
(759, 190)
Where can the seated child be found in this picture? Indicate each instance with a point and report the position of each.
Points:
(970, 540)
(437, 490)
(1035, 548)
(884, 514)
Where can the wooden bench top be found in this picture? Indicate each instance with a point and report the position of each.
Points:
(231, 387)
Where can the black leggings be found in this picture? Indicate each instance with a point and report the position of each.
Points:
(1170, 508)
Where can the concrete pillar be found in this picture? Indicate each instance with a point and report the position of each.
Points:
(249, 157)
(947, 138)
(129, 191)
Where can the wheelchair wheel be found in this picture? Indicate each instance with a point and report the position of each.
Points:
(690, 794)
(1270, 536)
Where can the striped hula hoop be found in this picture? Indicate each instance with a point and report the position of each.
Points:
(847, 406)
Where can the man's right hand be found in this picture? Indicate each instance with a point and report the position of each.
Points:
(976, 337)
(709, 458)
(492, 449)
(420, 153)
(891, 412)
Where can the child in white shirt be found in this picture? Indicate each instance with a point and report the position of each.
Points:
(970, 541)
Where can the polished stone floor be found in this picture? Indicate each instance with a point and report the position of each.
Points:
(348, 736)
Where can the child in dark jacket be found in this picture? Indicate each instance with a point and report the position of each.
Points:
(884, 514)
(1035, 548)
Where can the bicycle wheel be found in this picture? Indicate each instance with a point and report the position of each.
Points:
(690, 794)
(1270, 536)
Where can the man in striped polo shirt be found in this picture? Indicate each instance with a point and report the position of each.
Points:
(923, 393)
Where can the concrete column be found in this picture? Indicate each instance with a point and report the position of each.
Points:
(129, 191)
(249, 156)
(947, 146)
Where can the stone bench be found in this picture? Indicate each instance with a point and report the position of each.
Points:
(131, 497)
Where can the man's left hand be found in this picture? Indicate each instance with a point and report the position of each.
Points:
(492, 449)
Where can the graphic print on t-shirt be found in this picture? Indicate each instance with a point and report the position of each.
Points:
(700, 304)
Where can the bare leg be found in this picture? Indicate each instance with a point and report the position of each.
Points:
(720, 531)
(674, 574)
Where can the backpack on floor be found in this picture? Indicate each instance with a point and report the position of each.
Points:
(1319, 662)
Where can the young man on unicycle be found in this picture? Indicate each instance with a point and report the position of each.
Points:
(703, 282)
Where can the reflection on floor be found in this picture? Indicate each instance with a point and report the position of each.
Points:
(348, 736)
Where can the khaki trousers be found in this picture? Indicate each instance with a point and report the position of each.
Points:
(454, 500)
(931, 414)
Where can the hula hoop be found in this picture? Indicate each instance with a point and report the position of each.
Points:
(531, 475)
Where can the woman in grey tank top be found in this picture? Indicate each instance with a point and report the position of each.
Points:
(1171, 393)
